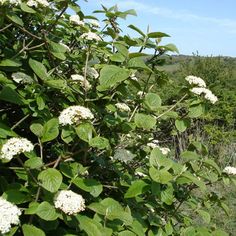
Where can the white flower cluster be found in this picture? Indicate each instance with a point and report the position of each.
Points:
(75, 19)
(15, 146)
(11, 2)
(230, 170)
(9, 215)
(69, 202)
(91, 72)
(94, 23)
(35, 3)
(74, 114)
(90, 36)
(141, 93)
(122, 107)
(83, 82)
(196, 81)
(20, 77)
(155, 144)
(133, 77)
(207, 94)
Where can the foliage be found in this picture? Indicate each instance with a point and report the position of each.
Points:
(129, 187)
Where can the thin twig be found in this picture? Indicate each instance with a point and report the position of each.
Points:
(57, 162)
(19, 122)
(29, 33)
(6, 27)
(41, 148)
(171, 108)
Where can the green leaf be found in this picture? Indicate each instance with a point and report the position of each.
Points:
(84, 131)
(117, 57)
(111, 75)
(34, 163)
(160, 176)
(39, 69)
(10, 63)
(37, 129)
(70, 170)
(181, 125)
(57, 47)
(144, 121)
(32, 209)
(9, 95)
(27, 9)
(136, 29)
(167, 195)
(219, 232)
(46, 211)
(90, 226)
(14, 18)
(138, 63)
(158, 159)
(51, 179)
(50, 130)
(89, 185)
(171, 47)
(122, 49)
(15, 196)
(195, 180)
(6, 131)
(152, 101)
(56, 83)
(196, 111)
(123, 155)
(29, 230)
(205, 216)
(189, 156)
(157, 35)
(112, 210)
(126, 233)
(138, 187)
(99, 142)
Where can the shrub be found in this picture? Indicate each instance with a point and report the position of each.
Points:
(79, 148)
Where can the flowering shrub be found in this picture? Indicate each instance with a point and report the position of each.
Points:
(95, 161)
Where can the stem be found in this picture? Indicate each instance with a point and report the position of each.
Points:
(29, 33)
(171, 108)
(19, 122)
(41, 149)
(58, 17)
(57, 162)
(6, 27)
(27, 170)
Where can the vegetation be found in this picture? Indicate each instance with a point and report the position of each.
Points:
(98, 141)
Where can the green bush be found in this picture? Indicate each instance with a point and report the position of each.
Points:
(79, 149)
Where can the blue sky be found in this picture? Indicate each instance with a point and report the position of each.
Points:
(206, 26)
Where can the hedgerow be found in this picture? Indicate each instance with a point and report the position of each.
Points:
(83, 143)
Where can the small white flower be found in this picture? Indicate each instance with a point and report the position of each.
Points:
(44, 3)
(91, 72)
(230, 170)
(32, 3)
(9, 215)
(94, 23)
(141, 93)
(15, 2)
(15, 146)
(207, 94)
(133, 77)
(74, 114)
(153, 144)
(69, 202)
(75, 19)
(122, 107)
(90, 36)
(196, 81)
(83, 82)
(164, 150)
